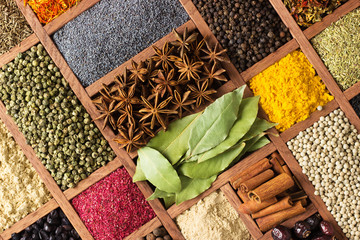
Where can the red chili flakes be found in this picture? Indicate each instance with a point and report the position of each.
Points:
(114, 207)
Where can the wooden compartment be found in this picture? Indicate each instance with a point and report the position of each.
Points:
(165, 217)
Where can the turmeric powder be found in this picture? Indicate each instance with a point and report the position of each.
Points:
(290, 90)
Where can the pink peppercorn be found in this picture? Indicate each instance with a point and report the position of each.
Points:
(114, 207)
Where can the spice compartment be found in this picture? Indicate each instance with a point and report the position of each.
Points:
(236, 82)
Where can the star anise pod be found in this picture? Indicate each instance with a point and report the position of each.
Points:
(130, 139)
(201, 93)
(125, 113)
(138, 71)
(196, 49)
(210, 75)
(164, 82)
(107, 111)
(188, 68)
(163, 56)
(123, 80)
(183, 41)
(182, 103)
(127, 98)
(156, 110)
(106, 93)
(145, 127)
(213, 55)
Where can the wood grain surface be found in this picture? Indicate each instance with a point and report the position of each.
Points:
(301, 40)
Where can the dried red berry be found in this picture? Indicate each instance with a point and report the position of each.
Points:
(326, 228)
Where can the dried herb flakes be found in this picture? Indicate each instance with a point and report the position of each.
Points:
(339, 48)
(308, 12)
(13, 26)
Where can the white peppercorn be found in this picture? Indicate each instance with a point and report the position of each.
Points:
(328, 153)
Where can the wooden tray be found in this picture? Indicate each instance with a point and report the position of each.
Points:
(165, 217)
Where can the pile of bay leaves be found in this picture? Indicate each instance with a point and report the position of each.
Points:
(185, 160)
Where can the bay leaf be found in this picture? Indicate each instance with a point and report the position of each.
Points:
(247, 114)
(259, 126)
(159, 194)
(139, 174)
(259, 144)
(169, 201)
(158, 170)
(214, 124)
(212, 166)
(248, 145)
(191, 188)
(173, 143)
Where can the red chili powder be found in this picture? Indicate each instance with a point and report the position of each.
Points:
(114, 207)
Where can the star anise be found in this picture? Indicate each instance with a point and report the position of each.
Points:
(163, 56)
(196, 49)
(106, 111)
(188, 68)
(127, 98)
(138, 71)
(106, 93)
(210, 75)
(201, 92)
(213, 55)
(183, 41)
(182, 103)
(130, 139)
(156, 111)
(125, 113)
(145, 127)
(123, 80)
(164, 82)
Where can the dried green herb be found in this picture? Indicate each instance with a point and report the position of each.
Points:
(339, 48)
(308, 12)
(176, 153)
(13, 26)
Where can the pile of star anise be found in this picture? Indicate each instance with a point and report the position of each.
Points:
(179, 78)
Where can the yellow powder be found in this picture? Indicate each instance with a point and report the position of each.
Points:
(21, 190)
(212, 218)
(290, 90)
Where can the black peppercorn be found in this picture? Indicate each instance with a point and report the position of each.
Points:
(245, 26)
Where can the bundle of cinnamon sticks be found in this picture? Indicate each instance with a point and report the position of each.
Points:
(269, 192)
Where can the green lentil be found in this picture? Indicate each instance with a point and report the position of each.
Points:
(51, 118)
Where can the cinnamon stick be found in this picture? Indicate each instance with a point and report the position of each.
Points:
(286, 169)
(278, 157)
(271, 188)
(283, 204)
(272, 220)
(243, 196)
(256, 181)
(297, 184)
(251, 207)
(250, 172)
(276, 166)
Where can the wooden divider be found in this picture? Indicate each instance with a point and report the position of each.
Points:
(145, 229)
(93, 178)
(247, 220)
(301, 126)
(236, 80)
